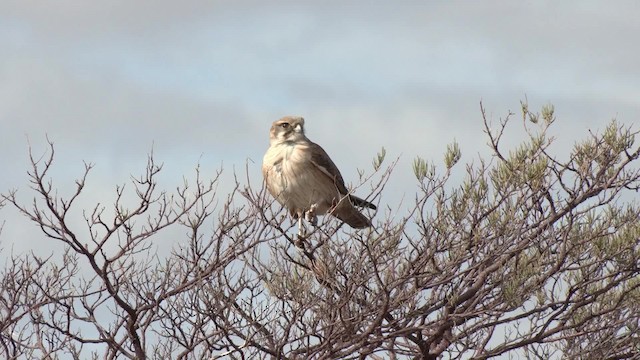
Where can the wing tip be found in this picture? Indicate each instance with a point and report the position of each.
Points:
(361, 202)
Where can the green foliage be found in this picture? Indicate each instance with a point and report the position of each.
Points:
(452, 156)
(422, 170)
(379, 159)
(547, 113)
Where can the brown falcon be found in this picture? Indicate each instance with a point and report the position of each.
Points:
(302, 177)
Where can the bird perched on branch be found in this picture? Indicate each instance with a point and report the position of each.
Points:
(302, 177)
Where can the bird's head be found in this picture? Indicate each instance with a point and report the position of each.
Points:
(287, 129)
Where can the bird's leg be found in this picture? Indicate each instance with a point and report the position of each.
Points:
(302, 232)
(311, 217)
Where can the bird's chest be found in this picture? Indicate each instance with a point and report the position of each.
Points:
(289, 167)
(294, 180)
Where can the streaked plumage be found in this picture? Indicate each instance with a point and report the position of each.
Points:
(299, 174)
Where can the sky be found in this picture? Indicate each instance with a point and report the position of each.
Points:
(201, 82)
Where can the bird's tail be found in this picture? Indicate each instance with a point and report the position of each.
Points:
(346, 212)
(352, 217)
(360, 202)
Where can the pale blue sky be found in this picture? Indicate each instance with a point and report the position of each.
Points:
(203, 80)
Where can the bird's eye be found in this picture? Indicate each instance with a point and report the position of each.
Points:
(284, 125)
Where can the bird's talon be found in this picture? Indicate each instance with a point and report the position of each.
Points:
(311, 216)
(300, 241)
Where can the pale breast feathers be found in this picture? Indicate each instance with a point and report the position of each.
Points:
(294, 180)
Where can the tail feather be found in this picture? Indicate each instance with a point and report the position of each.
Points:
(360, 202)
(351, 216)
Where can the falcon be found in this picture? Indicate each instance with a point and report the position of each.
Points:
(303, 178)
